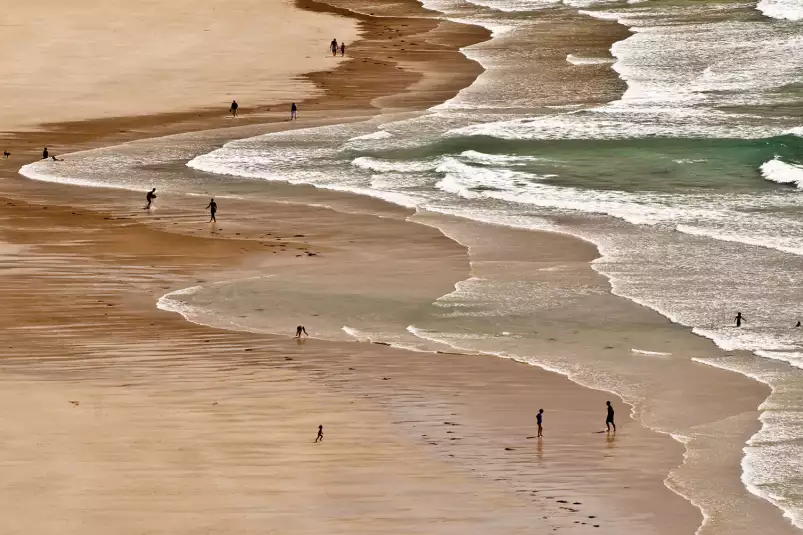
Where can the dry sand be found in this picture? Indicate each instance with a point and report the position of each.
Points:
(69, 61)
(124, 418)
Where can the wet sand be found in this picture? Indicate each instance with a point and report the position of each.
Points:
(127, 418)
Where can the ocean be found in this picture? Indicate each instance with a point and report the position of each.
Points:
(685, 169)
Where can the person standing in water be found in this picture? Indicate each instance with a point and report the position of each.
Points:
(293, 112)
(342, 49)
(540, 419)
(739, 319)
(150, 196)
(609, 418)
(299, 330)
(333, 47)
(45, 154)
(233, 108)
(212, 209)
(319, 438)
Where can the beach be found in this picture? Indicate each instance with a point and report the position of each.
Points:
(151, 379)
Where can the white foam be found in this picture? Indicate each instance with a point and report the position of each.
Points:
(356, 334)
(496, 159)
(782, 9)
(650, 353)
(172, 302)
(393, 166)
(512, 6)
(379, 134)
(776, 170)
(49, 171)
(576, 60)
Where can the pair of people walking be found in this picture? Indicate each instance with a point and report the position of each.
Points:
(333, 46)
(212, 206)
(609, 423)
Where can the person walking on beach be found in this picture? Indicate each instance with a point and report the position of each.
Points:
(212, 209)
(319, 438)
(299, 330)
(45, 154)
(333, 47)
(739, 319)
(609, 418)
(233, 109)
(293, 112)
(150, 196)
(540, 419)
(342, 49)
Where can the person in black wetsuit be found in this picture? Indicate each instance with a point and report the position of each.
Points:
(212, 209)
(45, 154)
(798, 324)
(150, 196)
(540, 419)
(301, 330)
(234, 107)
(609, 418)
(739, 319)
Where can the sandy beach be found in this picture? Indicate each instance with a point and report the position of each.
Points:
(127, 418)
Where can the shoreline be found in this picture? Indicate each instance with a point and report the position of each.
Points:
(369, 347)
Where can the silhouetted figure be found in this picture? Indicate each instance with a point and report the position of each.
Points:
(319, 438)
(6, 154)
(609, 418)
(56, 159)
(342, 49)
(739, 319)
(798, 324)
(212, 209)
(301, 330)
(333, 47)
(234, 107)
(45, 154)
(540, 419)
(150, 196)
(293, 112)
